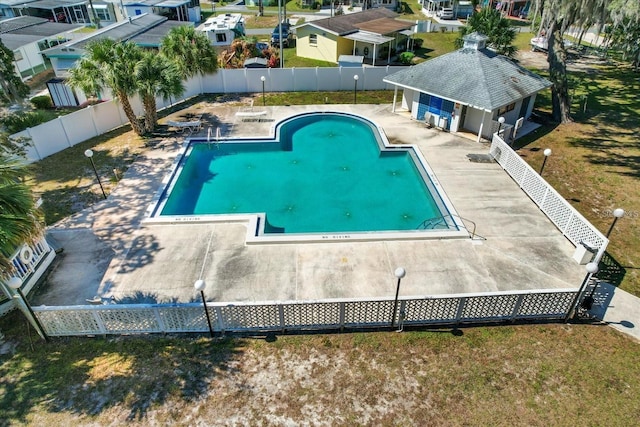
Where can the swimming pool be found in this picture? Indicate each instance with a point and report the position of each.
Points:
(324, 176)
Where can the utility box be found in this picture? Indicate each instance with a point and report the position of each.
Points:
(584, 253)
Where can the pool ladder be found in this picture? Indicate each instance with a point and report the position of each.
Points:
(217, 141)
(432, 223)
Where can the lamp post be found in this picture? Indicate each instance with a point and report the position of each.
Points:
(500, 123)
(199, 285)
(547, 153)
(399, 273)
(617, 214)
(592, 268)
(15, 284)
(89, 154)
(264, 102)
(355, 87)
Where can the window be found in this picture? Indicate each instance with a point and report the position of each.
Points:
(103, 14)
(506, 109)
(313, 39)
(221, 37)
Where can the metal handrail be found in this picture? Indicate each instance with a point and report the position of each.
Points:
(424, 225)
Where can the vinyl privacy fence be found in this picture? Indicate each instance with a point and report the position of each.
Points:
(69, 130)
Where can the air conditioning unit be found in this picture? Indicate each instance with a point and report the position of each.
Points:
(428, 119)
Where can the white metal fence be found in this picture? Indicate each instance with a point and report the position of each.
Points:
(569, 221)
(314, 315)
(67, 131)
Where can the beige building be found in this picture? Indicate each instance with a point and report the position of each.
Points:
(374, 34)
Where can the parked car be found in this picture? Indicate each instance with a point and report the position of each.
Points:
(287, 39)
(445, 13)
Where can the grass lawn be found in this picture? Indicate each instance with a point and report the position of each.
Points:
(595, 160)
(537, 375)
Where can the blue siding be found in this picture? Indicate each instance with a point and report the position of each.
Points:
(436, 106)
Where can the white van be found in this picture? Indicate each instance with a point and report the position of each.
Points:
(445, 13)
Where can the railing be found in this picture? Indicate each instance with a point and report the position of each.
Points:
(29, 262)
(548, 305)
(431, 223)
(568, 220)
(26, 258)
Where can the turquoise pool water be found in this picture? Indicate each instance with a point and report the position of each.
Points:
(323, 173)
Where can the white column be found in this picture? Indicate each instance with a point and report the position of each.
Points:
(395, 97)
(481, 126)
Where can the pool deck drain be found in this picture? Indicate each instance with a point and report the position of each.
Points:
(520, 248)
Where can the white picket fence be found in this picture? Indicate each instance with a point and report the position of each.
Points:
(66, 131)
(549, 305)
(569, 221)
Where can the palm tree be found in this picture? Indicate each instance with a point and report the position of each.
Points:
(110, 64)
(499, 31)
(18, 215)
(156, 75)
(191, 50)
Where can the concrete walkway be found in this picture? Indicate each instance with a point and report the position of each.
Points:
(110, 252)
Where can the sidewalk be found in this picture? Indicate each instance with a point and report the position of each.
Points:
(618, 309)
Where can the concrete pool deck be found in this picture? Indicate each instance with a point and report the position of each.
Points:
(117, 255)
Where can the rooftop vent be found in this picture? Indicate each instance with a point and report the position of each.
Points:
(475, 41)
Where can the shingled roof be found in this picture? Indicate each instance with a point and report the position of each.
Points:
(120, 31)
(21, 31)
(346, 24)
(477, 77)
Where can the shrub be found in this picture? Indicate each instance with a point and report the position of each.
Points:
(417, 43)
(42, 102)
(19, 122)
(406, 57)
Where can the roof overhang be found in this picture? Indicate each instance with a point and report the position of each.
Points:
(439, 96)
(310, 24)
(172, 3)
(366, 37)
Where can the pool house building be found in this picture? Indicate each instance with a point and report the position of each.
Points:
(469, 89)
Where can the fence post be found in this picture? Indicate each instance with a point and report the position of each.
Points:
(219, 319)
(281, 317)
(156, 312)
(342, 315)
(99, 322)
(64, 131)
(461, 304)
(402, 315)
(516, 308)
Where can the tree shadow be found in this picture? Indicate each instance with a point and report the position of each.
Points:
(140, 297)
(521, 143)
(88, 376)
(141, 253)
